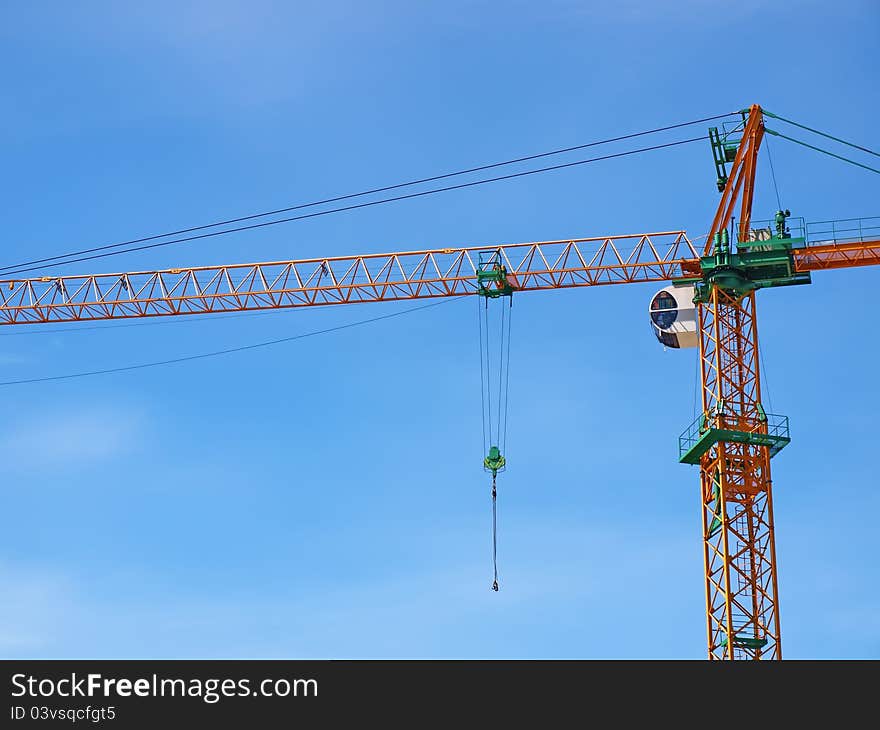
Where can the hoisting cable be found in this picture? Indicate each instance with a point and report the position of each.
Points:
(822, 134)
(823, 151)
(482, 371)
(501, 378)
(56, 259)
(494, 536)
(229, 350)
(765, 385)
(773, 174)
(507, 376)
(14, 269)
(486, 416)
(492, 284)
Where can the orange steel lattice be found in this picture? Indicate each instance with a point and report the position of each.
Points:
(735, 488)
(344, 280)
(837, 255)
(741, 179)
(737, 506)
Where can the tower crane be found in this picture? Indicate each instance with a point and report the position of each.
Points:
(709, 303)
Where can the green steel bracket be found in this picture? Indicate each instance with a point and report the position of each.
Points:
(766, 429)
(759, 264)
(492, 281)
(494, 461)
(762, 414)
(716, 512)
(725, 144)
(723, 151)
(764, 262)
(746, 642)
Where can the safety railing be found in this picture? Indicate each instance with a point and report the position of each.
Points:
(844, 230)
(794, 228)
(770, 430)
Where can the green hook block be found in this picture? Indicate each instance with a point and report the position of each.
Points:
(494, 461)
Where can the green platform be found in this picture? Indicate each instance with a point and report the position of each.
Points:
(492, 281)
(746, 642)
(772, 431)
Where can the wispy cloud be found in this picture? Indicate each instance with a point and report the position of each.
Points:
(32, 610)
(70, 435)
(444, 610)
(11, 358)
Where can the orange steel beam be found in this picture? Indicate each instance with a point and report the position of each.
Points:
(741, 180)
(656, 257)
(345, 280)
(837, 255)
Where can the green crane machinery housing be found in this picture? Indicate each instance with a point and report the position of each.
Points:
(763, 261)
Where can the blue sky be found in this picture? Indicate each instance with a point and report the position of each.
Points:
(325, 498)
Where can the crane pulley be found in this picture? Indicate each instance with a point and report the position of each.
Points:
(492, 285)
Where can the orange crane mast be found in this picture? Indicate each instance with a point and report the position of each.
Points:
(732, 441)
